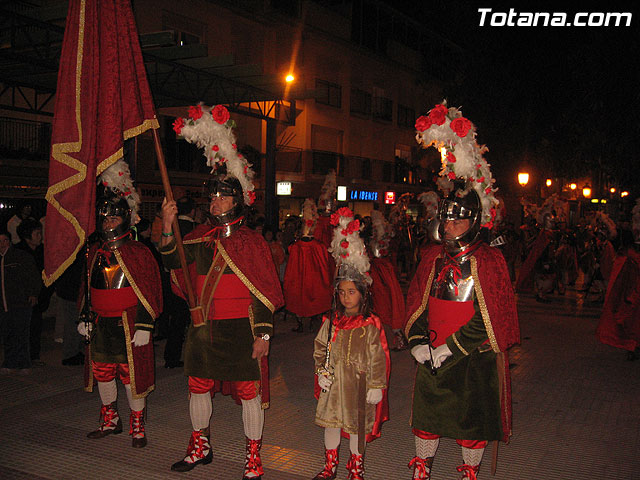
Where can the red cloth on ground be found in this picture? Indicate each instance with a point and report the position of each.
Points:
(620, 319)
(388, 300)
(527, 271)
(308, 279)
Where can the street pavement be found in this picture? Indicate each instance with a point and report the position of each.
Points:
(576, 414)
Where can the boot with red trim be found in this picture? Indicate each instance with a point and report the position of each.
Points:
(198, 452)
(109, 422)
(330, 470)
(469, 472)
(253, 463)
(355, 467)
(136, 429)
(421, 468)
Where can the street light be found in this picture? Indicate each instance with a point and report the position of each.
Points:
(586, 191)
(573, 186)
(549, 182)
(523, 178)
(624, 194)
(289, 78)
(612, 189)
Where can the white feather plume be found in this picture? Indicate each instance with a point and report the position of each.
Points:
(430, 200)
(218, 143)
(347, 248)
(117, 178)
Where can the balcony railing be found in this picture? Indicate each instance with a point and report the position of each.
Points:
(24, 139)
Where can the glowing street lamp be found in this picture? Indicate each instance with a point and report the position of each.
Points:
(586, 191)
(549, 182)
(573, 186)
(523, 178)
(612, 190)
(289, 78)
(624, 194)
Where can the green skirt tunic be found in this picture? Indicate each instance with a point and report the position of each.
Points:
(221, 350)
(108, 343)
(462, 401)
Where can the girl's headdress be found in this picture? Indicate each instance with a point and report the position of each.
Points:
(347, 248)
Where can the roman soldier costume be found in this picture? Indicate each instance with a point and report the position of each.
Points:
(461, 312)
(386, 293)
(308, 278)
(238, 290)
(126, 297)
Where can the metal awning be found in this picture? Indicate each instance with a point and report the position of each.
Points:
(30, 43)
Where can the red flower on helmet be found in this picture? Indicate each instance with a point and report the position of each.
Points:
(344, 244)
(220, 114)
(452, 176)
(461, 126)
(345, 212)
(252, 197)
(451, 157)
(195, 112)
(438, 114)
(423, 123)
(215, 148)
(178, 124)
(309, 223)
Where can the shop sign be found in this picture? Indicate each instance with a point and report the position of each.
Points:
(342, 193)
(364, 195)
(283, 188)
(389, 198)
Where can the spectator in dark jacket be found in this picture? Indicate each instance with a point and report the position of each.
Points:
(19, 289)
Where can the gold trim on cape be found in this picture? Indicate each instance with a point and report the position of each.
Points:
(483, 305)
(425, 299)
(134, 285)
(265, 301)
(132, 370)
(61, 152)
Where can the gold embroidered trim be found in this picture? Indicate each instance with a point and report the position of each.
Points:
(168, 252)
(245, 280)
(134, 285)
(132, 370)
(61, 152)
(483, 305)
(381, 386)
(263, 325)
(455, 340)
(215, 262)
(415, 337)
(425, 299)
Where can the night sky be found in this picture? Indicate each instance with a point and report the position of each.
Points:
(560, 99)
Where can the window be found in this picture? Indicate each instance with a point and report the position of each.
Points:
(387, 171)
(328, 93)
(360, 102)
(366, 169)
(383, 109)
(406, 116)
(325, 161)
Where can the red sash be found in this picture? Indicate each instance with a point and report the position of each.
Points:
(112, 302)
(447, 316)
(231, 298)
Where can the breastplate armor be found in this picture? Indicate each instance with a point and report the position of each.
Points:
(105, 276)
(445, 288)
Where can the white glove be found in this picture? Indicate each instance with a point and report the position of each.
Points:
(83, 330)
(440, 354)
(422, 353)
(141, 338)
(374, 396)
(324, 382)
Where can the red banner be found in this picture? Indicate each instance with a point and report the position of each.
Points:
(102, 99)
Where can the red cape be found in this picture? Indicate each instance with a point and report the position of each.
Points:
(324, 230)
(141, 269)
(497, 303)
(249, 256)
(308, 279)
(620, 320)
(607, 257)
(526, 274)
(382, 408)
(388, 300)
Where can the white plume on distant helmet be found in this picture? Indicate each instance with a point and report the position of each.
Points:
(430, 200)
(328, 190)
(309, 216)
(117, 178)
